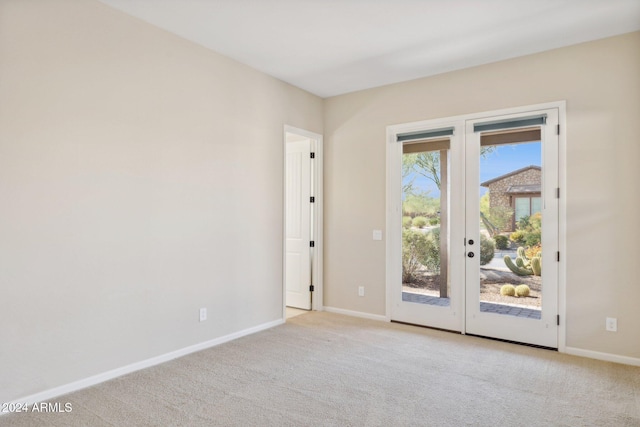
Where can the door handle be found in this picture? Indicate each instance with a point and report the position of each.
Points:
(471, 254)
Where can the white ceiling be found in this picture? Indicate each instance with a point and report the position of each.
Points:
(331, 47)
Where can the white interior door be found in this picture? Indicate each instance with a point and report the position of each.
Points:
(298, 222)
(512, 163)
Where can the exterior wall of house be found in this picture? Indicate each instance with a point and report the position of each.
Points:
(599, 81)
(498, 195)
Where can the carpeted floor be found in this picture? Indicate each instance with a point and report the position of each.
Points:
(323, 369)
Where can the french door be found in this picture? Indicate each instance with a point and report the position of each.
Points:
(512, 163)
(474, 224)
(426, 226)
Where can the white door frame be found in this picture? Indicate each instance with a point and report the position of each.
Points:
(316, 209)
(394, 193)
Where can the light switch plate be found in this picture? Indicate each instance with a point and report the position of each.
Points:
(377, 234)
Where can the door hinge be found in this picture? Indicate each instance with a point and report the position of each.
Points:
(558, 320)
(313, 155)
(557, 129)
(312, 244)
(558, 256)
(311, 288)
(558, 193)
(312, 199)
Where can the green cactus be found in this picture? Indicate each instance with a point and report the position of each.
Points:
(508, 290)
(524, 266)
(520, 271)
(536, 266)
(522, 291)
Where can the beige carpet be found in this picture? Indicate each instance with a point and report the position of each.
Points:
(323, 369)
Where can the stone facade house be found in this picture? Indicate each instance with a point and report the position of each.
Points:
(519, 190)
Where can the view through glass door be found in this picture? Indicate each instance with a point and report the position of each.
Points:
(512, 228)
(425, 187)
(430, 292)
(473, 231)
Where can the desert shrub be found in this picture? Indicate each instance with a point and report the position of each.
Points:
(502, 242)
(496, 218)
(533, 251)
(487, 249)
(517, 236)
(419, 249)
(500, 217)
(523, 223)
(413, 246)
(508, 290)
(434, 221)
(406, 222)
(419, 205)
(532, 238)
(522, 291)
(432, 251)
(535, 221)
(529, 230)
(419, 221)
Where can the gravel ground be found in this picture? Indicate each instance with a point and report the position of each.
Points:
(491, 279)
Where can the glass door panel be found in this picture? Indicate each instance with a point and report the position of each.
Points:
(428, 272)
(511, 229)
(425, 223)
(510, 280)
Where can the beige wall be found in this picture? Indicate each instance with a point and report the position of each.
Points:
(600, 82)
(141, 178)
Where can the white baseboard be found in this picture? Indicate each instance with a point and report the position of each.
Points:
(625, 360)
(356, 313)
(118, 372)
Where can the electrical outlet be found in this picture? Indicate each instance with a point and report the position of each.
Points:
(203, 314)
(612, 324)
(360, 291)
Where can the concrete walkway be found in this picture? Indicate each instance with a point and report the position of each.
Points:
(485, 307)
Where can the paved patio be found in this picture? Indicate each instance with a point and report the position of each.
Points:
(485, 307)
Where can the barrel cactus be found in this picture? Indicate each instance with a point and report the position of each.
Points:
(508, 290)
(524, 266)
(522, 291)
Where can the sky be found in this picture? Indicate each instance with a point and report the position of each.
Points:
(505, 159)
